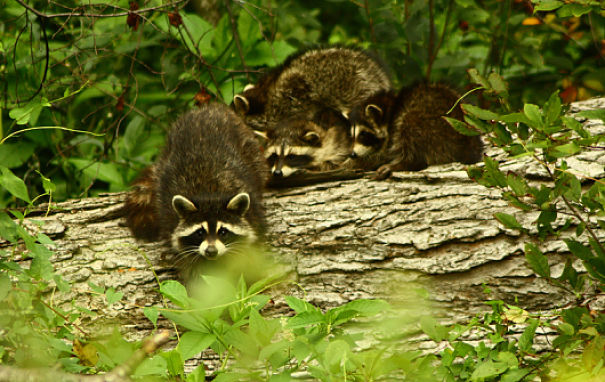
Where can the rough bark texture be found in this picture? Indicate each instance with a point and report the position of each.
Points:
(344, 240)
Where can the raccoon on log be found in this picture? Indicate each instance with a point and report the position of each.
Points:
(317, 140)
(406, 131)
(335, 77)
(204, 193)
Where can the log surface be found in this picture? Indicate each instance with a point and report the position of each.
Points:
(342, 240)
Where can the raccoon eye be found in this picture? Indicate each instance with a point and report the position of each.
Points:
(200, 233)
(298, 160)
(368, 139)
(272, 159)
(223, 232)
(312, 138)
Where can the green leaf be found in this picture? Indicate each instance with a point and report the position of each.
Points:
(568, 149)
(175, 292)
(151, 366)
(306, 319)
(533, 114)
(15, 154)
(593, 114)
(5, 286)
(509, 221)
(112, 296)
(193, 343)
(30, 112)
(13, 184)
(536, 260)
(566, 328)
(299, 305)
(488, 370)
(152, 313)
(547, 5)
(552, 108)
(477, 78)
(337, 353)
(197, 375)
(433, 329)
(483, 114)
(366, 307)
(174, 363)
(517, 184)
(461, 127)
(579, 249)
(497, 84)
(526, 340)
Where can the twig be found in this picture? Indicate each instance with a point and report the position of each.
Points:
(370, 21)
(97, 15)
(236, 37)
(431, 39)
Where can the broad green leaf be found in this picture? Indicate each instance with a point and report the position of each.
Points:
(547, 5)
(552, 108)
(477, 78)
(193, 343)
(527, 338)
(593, 114)
(30, 112)
(306, 319)
(533, 114)
(483, 114)
(568, 149)
(579, 249)
(112, 296)
(197, 375)
(517, 184)
(509, 221)
(152, 313)
(13, 184)
(299, 305)
(566, 328)
(461, 127)
(175, 292)
(15, 154)
(367, 307)
(151, 366)
(433, 329)
(537, 261)
(5, 286)
(497, 84)
(488, 370)
(174, 363)
(337, 353)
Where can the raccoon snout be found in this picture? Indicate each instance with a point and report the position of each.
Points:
(278, 173)
(353, 155)
(211, 252)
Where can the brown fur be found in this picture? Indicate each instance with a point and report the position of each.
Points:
(407, 131)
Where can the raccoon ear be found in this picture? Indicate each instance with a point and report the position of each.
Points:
(373, 112)
(311, 137)
(182, 205)
(239, 203)
(241, 104)
(261, 134)
(248, 87)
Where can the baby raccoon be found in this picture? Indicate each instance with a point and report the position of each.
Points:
(317, 142)
(334, 77)
(406, 131)
(204, 192)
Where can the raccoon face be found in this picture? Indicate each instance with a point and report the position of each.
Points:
(211, 229)
(368, 130)
(319, 143)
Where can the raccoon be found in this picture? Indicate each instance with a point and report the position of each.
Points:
(204, 192)
(316, 141)
(406, 131)
(335, 77)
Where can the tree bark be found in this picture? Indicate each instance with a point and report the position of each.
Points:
(342, 240)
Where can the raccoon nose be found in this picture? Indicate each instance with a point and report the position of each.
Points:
(278, 173)
(211, 252)
(353, 154)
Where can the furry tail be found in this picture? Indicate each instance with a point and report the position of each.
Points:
(140, 207)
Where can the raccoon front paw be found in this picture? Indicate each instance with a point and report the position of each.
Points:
(383, 172)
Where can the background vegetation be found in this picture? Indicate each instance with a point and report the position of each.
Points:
(89, 88)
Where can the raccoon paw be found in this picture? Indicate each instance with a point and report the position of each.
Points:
(383, 172)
